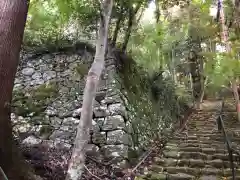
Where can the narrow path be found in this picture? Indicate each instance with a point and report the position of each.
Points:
(198, 153)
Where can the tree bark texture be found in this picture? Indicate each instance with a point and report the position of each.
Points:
(117, 27)
(225, 39)
(236, 97)
(157, 12)
(76, 164)
(195, 60)
(140, 16)
(131, 18)
(196, 76)
(203, 89)
(13, 15)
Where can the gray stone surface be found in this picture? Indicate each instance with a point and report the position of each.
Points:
(115, 151)
(117, 137)
(116, 109)
(208, 178)
(181, 176)
(28, 71)
(113, 122)
(48, 75)
(62, 114)
(59, 134)
(100, 111)
(99, 138)
(31, 140)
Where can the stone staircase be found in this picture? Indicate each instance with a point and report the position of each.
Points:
(198, 153)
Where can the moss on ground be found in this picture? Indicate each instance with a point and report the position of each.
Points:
(33, 102)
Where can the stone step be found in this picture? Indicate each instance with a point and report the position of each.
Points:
(183, 136)
(183, 155)
(207, 127)
(204, 140)
(185, 144)
(193, 163)
(205, 148)
(205, 154)
(180, 176)
(166, 176)
(203, 121)
(230, 178)
(199, 123)
(176, 141)
(201, 132)
(210, 150)
(214, 137)
(218, 145)
(199, 128)
(224, 157)
(195, 141)
(194, 171)
(209, 177)
(228, 172)
(175, 175)
(186, 149)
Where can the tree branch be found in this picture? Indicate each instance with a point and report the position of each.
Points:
(3, 174)
(91, 173)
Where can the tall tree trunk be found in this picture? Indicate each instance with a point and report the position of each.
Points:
(195, 59)
(236, 97)
(204, 84)
(118, 26)
(76, 164)
(131, 18)
(13, 15)
(129, 29)
(140, 16)
(202, 79)
(195, 73)
(157, 11)
(224, 37)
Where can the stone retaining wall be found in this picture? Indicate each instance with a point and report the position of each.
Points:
(109, 136)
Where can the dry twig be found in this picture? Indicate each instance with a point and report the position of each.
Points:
(143, 159)
(102, 163)
(91, 173)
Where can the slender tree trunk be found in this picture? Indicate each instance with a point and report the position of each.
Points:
(157, 12)
(203, 89)
(118, 26)
(195, 60)
(196, 82)
(236, 97)
(76, 164)
(191, 87)
(129, 29)
(140, 16)
(202, 78)
(131, 18)
(224, 36)
(13, 15)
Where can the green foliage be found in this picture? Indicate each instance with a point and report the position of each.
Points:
(81, 70)
(54, 20)
(156, 99)
(33, 102)
(152, 103)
